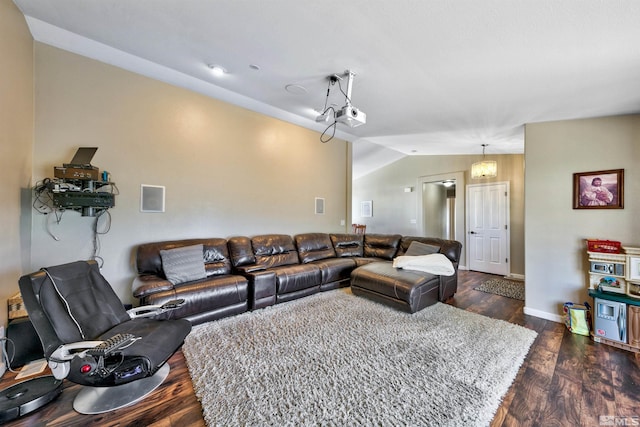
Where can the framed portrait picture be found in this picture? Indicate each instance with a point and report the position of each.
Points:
(599, 189)
(366, 209)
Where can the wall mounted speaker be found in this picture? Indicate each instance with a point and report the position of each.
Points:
(319, 206)
(151, 198)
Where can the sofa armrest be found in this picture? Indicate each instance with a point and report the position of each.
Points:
(148, 284)
(246, 269)
(452, 250)
(262, 287)
(448, 285)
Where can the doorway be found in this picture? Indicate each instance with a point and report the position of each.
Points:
(488, 227)
(440, 208)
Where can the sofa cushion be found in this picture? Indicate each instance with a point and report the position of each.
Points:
(241, 252)
(383, 246)
(450, 248)
(215, 256)
(274, 250)
(292, 278)
(208, 299)
(418, 248)
(335, 269)
(348, 245)
(183, 264)
(406, 241)
(413, 290)
(314, 247)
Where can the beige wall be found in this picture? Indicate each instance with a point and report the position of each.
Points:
(395, 210)
(555, 232)
(16, 142)
(227, 171)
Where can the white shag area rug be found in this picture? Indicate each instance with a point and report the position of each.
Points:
(334, 359)
(503, 287)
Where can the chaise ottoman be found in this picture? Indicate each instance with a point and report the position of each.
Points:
(406, 290)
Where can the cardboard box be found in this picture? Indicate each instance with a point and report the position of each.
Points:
(16, 307)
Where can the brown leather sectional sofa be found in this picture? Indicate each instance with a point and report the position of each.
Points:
(247, 273)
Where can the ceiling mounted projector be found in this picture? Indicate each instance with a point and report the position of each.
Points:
(348, 115)
(351, 116)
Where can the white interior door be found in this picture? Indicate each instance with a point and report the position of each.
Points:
(488, 227)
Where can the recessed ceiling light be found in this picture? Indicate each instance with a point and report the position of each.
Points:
(296, 89)
(217, 70)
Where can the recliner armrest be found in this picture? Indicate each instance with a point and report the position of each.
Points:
(59, 359)
(89, 353)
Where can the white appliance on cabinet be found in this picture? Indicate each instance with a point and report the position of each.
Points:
(610, 320)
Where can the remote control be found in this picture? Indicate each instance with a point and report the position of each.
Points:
(112, 344)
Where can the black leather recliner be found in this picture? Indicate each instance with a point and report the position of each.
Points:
(89, 338)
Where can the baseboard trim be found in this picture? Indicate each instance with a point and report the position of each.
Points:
(519, 277)
(543, 315)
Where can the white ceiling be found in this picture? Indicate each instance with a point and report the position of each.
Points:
(433, 76)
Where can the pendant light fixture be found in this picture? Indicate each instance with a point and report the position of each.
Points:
(484, 168)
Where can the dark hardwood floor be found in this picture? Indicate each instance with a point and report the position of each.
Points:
(566, 380)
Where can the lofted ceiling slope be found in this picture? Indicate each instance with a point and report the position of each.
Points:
(433, 77)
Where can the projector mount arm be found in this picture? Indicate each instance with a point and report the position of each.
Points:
(348, 114)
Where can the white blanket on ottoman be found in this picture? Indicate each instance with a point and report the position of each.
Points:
(433, 263)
